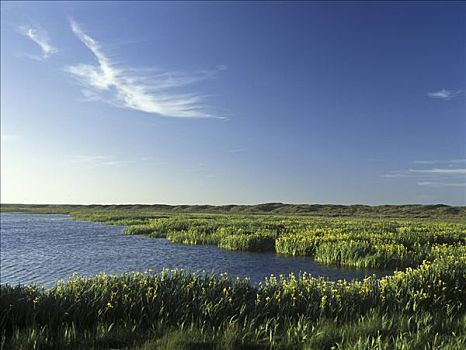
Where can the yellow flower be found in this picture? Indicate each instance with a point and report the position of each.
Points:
(323, 301)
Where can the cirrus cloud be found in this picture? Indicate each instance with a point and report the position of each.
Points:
(41, 38)
(444, 94)
(441, 184)
(126, 88)
(440, 171)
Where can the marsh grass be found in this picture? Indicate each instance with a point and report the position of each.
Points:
(421, 306)
(362, 243)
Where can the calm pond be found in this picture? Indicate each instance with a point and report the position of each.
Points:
(42, 249)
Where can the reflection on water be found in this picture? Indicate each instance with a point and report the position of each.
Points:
(42, 249)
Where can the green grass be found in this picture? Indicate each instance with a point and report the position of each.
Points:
(362, 243)
(421, 306)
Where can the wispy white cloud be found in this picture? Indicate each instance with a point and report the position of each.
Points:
(448, 161)
(397, 174)
(431, 175)
(441, 184)
(117, 162)
(98, 160)
(128, 88)
(41, 38)
(445, 94)
(440, 171)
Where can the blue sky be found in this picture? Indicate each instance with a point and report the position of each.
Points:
(227, 102)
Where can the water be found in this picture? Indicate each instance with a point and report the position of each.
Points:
(42, 249)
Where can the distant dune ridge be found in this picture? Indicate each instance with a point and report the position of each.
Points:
(399, 211)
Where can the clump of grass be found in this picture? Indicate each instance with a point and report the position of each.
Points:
(261, 241)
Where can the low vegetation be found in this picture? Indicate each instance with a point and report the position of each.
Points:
(438, 211)
(363, 243)
(422, 305)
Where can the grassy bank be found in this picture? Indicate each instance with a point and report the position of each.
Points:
(418, 307)
(421, 306)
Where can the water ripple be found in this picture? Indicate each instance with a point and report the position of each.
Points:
(46, 248)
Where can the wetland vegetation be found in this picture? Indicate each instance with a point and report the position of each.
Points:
(421, 305)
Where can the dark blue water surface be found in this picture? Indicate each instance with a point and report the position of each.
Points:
(43, 249)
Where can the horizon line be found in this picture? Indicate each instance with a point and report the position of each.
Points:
(237, 205)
